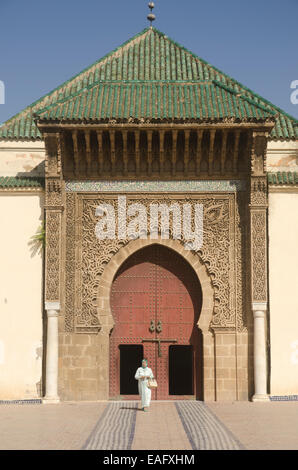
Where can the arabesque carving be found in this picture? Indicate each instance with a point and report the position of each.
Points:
(258, 218)
(259, 256)
(71, 263)
(53, 192)
(85, 266)
(53, 256)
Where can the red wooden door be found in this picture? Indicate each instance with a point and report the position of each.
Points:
(155, 300)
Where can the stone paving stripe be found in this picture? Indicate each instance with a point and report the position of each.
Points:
(283, 398)
(115, 428)
(36, 401)
(204, 430)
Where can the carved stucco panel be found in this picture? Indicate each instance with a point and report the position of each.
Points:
(259, 255)
(86, 256)
(53, 231)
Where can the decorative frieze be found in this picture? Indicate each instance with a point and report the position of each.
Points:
(187, 186)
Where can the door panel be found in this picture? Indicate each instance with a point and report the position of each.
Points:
(180, 370)
(130, 357)
(154, 284)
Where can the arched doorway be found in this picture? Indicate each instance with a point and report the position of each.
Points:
(156, 300)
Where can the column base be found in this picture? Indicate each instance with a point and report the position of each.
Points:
(50, 400)
(260, 398)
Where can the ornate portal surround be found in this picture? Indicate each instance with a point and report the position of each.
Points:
(87, 259)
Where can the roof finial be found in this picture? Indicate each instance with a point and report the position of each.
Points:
(151, 17)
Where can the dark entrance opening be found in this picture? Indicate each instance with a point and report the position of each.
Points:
(131, 356)
(181, 370)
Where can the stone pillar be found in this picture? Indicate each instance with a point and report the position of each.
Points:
(258, 259)
(53, 251)
(52, 309)
(260, 356)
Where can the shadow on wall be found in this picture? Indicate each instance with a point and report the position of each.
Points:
(37, 172)
(37, 241)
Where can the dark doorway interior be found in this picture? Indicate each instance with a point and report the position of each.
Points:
(181, 370)
(131, 356)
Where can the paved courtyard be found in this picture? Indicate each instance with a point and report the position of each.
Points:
(184, 425)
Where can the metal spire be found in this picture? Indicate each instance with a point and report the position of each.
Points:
(151, 17)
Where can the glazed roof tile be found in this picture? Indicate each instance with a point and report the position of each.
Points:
(278, 178)
(150, 76)
(21, 182)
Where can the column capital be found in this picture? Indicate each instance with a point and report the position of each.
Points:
(259, 307)
(52, 306)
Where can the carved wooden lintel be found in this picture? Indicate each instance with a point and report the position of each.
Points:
(99, 151)
(149, 145)
(223, 151)
(174, 152)
(186, 152)
(199, 151)
(162, 150)
(236, 150)
(170, 153)
(75, 151)
(88, 151)
(137, 151)
(125, 159)
(211, 151)
(113, 151)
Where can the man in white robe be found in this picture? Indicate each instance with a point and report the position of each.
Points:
(142, 375)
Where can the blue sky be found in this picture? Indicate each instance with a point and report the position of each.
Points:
(44, 43)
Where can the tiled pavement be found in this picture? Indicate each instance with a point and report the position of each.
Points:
(167, 426)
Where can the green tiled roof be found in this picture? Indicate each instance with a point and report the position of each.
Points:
(155, 100)
(150, 76)
(19, 182)
(283, 178)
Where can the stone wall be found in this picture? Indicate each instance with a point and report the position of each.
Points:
(21, 287)
(81, 373)
(283, 284)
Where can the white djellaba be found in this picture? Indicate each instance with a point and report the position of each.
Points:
(144, 390)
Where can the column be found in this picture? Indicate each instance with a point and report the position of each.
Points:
(258, 260)
(53, 252)
(51, 396)
(260, 356)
